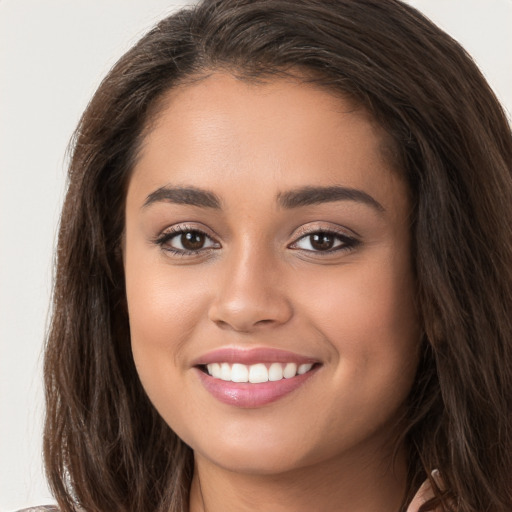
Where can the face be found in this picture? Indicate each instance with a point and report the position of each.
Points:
(268, 275)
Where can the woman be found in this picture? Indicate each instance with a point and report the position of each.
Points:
(284, 271)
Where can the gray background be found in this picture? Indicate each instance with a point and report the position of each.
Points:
(53, 55)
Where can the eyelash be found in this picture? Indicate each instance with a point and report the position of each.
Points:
(174, 232)
(348, 243)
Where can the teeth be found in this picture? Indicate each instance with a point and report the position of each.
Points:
(225, 371)
(239, 373)
(290, 370)
(215, 370)
(275, 372)
(256, 373)
(303, 368)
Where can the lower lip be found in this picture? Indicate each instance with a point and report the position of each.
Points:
(247, 395)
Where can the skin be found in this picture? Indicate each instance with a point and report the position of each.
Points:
(259, 282)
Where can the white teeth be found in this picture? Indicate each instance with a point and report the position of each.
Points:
(239, 373)
(256, 373)
(303, 368)
(290, 370)
(215, 370)
(225, 371)
(275, 372)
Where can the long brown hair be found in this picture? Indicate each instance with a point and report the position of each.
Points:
(105, 446)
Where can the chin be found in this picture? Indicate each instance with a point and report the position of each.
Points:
(255, 460)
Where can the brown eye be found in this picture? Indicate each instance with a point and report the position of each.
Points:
(322, 241)
(192, 240)
(186, 241)
(325, 242)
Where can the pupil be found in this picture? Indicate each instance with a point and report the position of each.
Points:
(192, 240)
(322, 241)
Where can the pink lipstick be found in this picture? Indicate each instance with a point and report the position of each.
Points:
(251, 378)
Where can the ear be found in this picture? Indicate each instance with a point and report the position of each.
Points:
(423, 495)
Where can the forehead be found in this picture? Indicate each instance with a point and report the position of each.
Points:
(221, 129)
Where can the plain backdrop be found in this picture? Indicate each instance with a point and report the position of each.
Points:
(53, 55)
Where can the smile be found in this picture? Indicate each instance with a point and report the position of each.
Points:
(252, 378)
(256, 373)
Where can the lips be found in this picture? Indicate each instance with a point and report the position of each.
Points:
(253, 378)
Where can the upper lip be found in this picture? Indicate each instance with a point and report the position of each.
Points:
(250, 356)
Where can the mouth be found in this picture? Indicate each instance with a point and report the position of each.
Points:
(252, 378)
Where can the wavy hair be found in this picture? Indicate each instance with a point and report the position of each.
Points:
(105, 446)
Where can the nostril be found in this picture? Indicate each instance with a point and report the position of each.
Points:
(223, 324)
(264, 322)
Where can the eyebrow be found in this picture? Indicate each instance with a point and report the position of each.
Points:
(307, 196)
(184, 195)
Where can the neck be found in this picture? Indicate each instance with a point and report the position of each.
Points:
(355, 484)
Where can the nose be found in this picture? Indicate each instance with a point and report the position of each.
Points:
(251, 295)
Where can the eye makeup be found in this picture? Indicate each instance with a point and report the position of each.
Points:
(187, 240)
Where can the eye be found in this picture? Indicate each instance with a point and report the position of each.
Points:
(324, 241)
(185, 241)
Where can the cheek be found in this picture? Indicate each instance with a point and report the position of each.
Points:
(371, 323)
(162, 322)
(161, 318)
(371, 299)
(367, 313)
